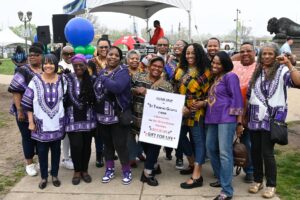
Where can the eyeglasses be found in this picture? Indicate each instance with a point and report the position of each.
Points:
(103, 47)
(68, 53)
(34, 55)
(160, 45)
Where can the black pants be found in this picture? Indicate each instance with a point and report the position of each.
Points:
(114, 138)
(43, 150)
(262, 152)
(28, 144)
(80, 144)
(152, 153)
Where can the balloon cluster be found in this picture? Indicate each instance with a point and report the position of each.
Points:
(80, 32)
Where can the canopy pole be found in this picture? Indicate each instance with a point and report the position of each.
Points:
(190, 22)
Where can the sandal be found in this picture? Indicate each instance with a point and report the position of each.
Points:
(255, 187)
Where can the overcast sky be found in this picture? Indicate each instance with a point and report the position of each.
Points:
(214, 17)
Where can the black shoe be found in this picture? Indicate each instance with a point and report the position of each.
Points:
(99, 160)
(75, 180)
(187, 171)
(222, 197)
(249, 178)
(43, 184)
(150, 180)
(157, 170)
(55, 181)
(196, 183)
(215, 184)
(86, 177)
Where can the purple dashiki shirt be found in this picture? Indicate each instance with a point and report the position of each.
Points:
(45, 100)
(79, 117)
(225, 100)
(276, 93)
(19, 84)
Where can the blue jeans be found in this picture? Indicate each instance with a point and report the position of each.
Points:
(135, 148)
(198, 135)
(43, 150)
(245, 139)
(219, 139)
(28, 144)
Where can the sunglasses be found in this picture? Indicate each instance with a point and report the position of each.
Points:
(68, 53)
(160, 45)
(34, 55)
(103, 47)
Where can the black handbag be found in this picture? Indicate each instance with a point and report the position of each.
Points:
(278, 129)
(125, 117)
(279, 132)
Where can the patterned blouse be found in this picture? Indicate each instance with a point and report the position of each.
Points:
(195, 87)
(142, 80)
(45, 100)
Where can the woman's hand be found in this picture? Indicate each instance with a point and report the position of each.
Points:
(239, 130)
(185, 111)
(141, 91)
(32, 126)
(21, 116)
(196, 105)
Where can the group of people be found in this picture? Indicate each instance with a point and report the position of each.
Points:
(104, 98)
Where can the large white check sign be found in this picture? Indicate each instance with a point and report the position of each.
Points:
(162, 117)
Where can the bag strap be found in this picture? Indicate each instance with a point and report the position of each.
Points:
(266, 98)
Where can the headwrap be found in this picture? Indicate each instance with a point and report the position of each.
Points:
(78, 57)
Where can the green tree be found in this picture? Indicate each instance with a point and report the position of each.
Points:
(20, 30)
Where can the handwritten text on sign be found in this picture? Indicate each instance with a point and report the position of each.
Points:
(162, 116)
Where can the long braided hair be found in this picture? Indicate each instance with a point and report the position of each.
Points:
(259, 67)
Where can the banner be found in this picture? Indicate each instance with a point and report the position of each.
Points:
(162, 117)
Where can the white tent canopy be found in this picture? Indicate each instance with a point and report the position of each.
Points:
(143, 9)
(8, 37)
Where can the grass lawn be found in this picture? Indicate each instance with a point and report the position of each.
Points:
(288, 174)
(7, 67)
(7, 181)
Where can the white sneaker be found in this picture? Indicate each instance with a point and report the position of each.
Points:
(30, 170)
(67, 163)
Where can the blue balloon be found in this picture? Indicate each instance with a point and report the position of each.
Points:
(79, 31)
(89, 56)
(35, 38)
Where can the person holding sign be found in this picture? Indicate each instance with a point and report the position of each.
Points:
(223, 118)
(193, 79)
(140, 83)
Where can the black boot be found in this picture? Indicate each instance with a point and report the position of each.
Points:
(99, 160)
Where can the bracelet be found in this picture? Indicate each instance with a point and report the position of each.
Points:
(293, 69)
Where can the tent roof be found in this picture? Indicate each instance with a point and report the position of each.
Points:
(143, 9)
(8, 37)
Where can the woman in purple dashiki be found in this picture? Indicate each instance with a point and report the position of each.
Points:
(113, 98)
(80, 120)
(17, 87)
(223, 118)
(43, 100)
(273, 75)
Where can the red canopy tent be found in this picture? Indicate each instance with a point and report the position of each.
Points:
(129, 41)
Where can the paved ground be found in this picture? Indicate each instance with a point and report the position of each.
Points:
(169, 188)
(169, 180)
